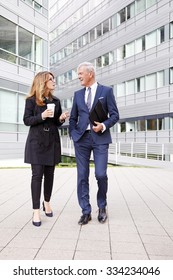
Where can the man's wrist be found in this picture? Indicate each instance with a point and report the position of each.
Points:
(104, 127)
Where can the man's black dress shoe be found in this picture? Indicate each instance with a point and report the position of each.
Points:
(84, 219)
(102, 217)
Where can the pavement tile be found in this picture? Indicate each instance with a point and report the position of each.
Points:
(93, 245)
(91, 255)
(54, 254)
(6, 235)
(139, 225)
(128, 256)
(127, 247)
(60, 244)
(18, 253)
(161, 249)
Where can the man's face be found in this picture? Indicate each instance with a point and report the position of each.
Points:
(86, 78)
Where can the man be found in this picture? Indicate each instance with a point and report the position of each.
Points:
(88, 137)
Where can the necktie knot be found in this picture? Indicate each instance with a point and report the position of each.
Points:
(89, 99)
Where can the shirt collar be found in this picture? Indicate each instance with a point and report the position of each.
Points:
(93, 87)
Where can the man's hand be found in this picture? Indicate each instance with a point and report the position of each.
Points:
(98, 127)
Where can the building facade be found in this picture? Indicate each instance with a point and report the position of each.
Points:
(24, 50)
(131, 46)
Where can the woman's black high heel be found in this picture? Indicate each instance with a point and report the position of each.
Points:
(36, 224)
(47, 214)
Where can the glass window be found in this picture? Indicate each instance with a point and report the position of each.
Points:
(29, 2)
(111, 57)
(130, 49)
(69, 75)
(140, 45)
(61, 54)
(68, 50)
(171, 30)
(114, 21)
(171, 122)
(106, 26)
(161, 124)
(171, 75)
(160, 79)
(140, 6)
(74, 74)
(92, 35)
(151, 81)
(151, 39)
(105, 59)
(21, 105)
(80, 42)
(61, 80)
(123, 127)
(75, 45)
(8, 113)
(99, 61)
(130, 87)
(8, 56)
(140, 84)
(121, 53)
(121, 16)
(38, 50)
(25, 44)
(7, 35)
(98, 30)
(37, 7)
(85, 39)
(152, 124)
(141, 125)
(131, 10)
(161, 35)
(151, 2)
(121, 90)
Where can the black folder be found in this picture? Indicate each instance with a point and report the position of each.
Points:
(98, 113)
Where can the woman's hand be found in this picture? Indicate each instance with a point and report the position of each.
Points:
(46, 114)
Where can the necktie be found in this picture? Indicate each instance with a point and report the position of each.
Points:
(89, 99)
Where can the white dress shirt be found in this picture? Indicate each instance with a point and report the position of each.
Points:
(93, 93)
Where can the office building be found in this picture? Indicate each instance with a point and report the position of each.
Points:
(24, 50)
(131, 46)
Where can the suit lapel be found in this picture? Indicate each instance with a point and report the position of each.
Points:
(97, 95)
(82, 98)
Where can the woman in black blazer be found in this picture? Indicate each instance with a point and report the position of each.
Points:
(42, 149)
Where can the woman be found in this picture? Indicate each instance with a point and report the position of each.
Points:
(42, 150)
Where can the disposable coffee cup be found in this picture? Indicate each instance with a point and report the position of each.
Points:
(51, 106)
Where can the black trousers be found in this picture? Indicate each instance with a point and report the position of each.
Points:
(36, 182)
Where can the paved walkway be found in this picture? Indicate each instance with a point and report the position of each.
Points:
(139, 227)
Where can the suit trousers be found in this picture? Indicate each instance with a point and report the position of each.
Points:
(83, 149)
(36, 182)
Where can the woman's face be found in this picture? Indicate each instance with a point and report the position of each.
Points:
(50, 83)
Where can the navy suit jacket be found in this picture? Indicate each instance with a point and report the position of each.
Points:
(79, 117)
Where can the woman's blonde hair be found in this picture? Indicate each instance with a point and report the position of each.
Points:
(38, 87)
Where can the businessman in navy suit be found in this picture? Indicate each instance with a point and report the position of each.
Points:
(88, 138)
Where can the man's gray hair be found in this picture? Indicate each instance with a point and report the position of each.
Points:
(89, 66)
